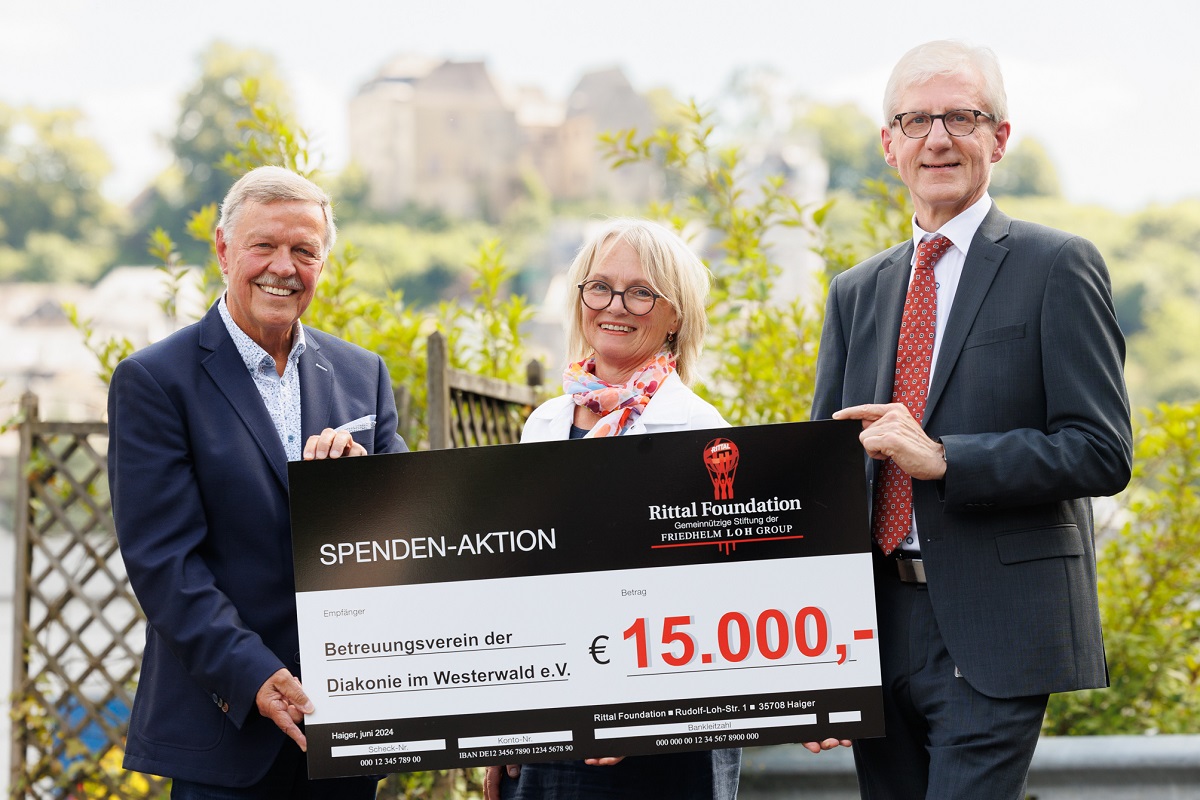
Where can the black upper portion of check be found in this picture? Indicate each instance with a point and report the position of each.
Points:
(799, 489)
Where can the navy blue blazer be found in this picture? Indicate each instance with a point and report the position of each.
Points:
(1028, 398)
(199, 488)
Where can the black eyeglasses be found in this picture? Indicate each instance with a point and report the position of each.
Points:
(959, 122)
(598, 295)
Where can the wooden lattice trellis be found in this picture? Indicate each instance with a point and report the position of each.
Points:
(78, 628)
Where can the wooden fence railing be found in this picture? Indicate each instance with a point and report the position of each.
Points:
(468, 410)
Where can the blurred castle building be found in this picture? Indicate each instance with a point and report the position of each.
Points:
(446, 135)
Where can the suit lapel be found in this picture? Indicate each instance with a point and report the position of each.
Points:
(891, 287)
(316, 387)
(979, 270)
(225, 366)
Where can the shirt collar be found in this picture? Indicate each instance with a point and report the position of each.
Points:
(252, 353)
(960, 230)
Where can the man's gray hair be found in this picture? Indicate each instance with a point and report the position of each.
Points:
(273, 185)
(946, 57)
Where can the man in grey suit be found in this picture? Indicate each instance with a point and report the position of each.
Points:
(986, 368)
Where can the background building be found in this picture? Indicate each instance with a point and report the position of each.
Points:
(447, 135)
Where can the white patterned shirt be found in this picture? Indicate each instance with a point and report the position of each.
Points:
(280, 393)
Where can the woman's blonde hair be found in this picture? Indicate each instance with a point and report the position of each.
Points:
(672, 270)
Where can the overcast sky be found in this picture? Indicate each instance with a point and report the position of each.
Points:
(1109, 88)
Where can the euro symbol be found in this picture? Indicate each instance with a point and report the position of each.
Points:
(597, 649)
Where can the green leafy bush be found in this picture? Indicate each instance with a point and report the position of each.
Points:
(1149, 591)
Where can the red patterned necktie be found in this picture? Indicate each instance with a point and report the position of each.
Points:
(914, 358)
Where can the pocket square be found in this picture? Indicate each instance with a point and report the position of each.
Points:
(355, 425)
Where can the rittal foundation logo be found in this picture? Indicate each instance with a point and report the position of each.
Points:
(721, 460)
(699, 523)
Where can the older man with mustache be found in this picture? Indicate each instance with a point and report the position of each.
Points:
(201, 427)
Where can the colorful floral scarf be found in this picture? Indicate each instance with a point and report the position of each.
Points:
(621, 404)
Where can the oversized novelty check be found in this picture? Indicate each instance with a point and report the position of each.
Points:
(625, 596)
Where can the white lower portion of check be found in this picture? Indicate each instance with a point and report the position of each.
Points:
(589, 639)
(711, 726)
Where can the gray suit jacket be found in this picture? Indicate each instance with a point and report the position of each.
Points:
(1029, 400)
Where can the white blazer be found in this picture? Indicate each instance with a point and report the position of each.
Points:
(674, 407)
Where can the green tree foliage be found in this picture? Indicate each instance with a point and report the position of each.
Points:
(54, 222)
(1156, 263)
(108, 350)
(351, 189)
(1109, 230)
(266, 135)
(485, 337)
(217, 117)
(850, 144)
(857, 228)
(213, 113)
(1149, 591)
(1025, 171)
(49, 257)
(758, 104)
(50, 175)
(758, 110)
(665, 106)
(1151, 255)
(426, 265)
(1164, 358)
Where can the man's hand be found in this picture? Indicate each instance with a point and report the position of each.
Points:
(889, 431)
(283, 701)
(331, 443)
(826, 744)
(492, 777)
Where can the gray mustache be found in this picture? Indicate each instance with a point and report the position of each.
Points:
(279, 283)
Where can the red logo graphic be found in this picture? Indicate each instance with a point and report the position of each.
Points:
(721, 459)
